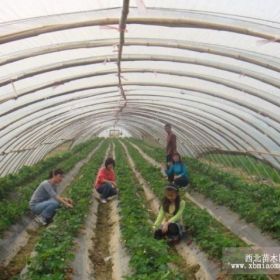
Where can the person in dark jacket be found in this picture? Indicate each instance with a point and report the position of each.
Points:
(171, 145)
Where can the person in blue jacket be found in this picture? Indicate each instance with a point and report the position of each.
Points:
(177, 172)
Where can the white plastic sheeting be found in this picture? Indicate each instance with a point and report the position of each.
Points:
(211, 68)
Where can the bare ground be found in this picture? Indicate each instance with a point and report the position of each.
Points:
(100, 253)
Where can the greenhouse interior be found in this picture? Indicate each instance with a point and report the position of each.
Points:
(139, 139)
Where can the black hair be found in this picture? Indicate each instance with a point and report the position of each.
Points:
(167, 125)
(166, 202)
(177, 154)
(55, 172)
(109, 161)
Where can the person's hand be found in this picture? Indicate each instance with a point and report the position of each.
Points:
(68, 205)
(164, 227)
(69, 200)
(176, 176)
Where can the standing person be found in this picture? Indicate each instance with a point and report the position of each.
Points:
(169, 220)
(178, 172)
(45, 200)
(171, 146)
(105, 182)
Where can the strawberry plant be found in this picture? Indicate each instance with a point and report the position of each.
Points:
(12, 207)
(54, 250)
(26, 174)
(256, 203)
(149, 257)
(210, 235)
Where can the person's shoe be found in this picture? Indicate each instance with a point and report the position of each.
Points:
(40, 220)
(103, 200)
(173, 241)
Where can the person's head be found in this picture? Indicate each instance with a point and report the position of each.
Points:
(109, 163)
(56, 176)
(167, 127)
(176, 157)
(171, 195)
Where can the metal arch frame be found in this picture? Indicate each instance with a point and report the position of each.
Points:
(204, 91)
(32, 130)
(180, 73)
(29, 155)
(198, 152)
(226, 112)
(39, 139)
(142, 119)
(177, 123)
(139, 123)
(252, 144)
(242, 104)
(198, 133)
(173, 87)
(209, 78)
(51, 106)
(266, 61)
(134, 130)
(159, 131)
(195, 118)
(159, 17)
(138, 57)
(135, 121)
(30, 139)
(245, 150)
(42, 134)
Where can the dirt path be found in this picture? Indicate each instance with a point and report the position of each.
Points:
(19, 241)
(100, 253)
(120, 256)
(106, 259)
(194, 258)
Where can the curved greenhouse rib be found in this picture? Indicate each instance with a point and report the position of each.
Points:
(269, 62)
(231, 126)
(240, 86)
(159, 17)
(138, 105)
(213, 112)
(137, 57)
(235, 99)
(52, 106)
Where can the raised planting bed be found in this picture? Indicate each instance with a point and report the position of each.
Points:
(54, 251)
(149, 257)
(14, 206)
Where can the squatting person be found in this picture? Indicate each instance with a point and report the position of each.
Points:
(169, 220)
(45, 200)
(105, 182)
(177, 172)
